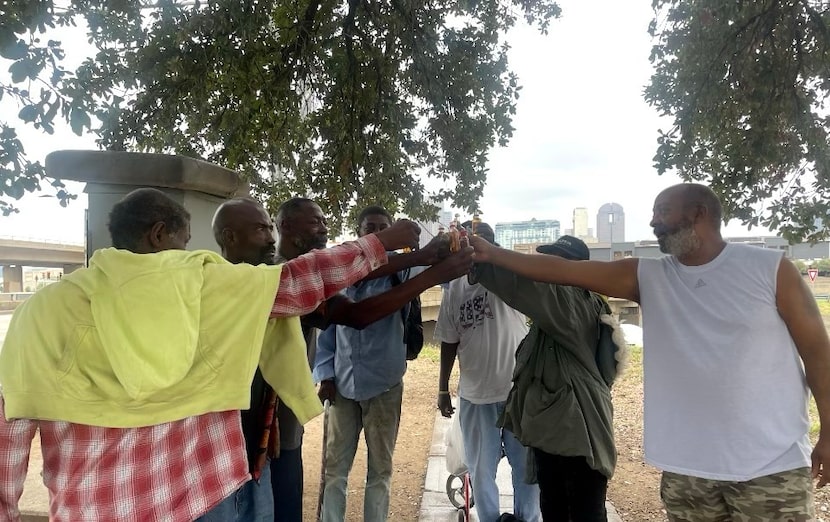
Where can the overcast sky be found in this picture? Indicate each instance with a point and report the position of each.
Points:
(583, 134)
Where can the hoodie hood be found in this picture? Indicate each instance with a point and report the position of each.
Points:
(147, 311)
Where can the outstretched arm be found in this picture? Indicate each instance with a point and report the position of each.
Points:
(615, 278)
(797, 307)
(309, 279)
(434, 252)
(546, 304)
(361, 314)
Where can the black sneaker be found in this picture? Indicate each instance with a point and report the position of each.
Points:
(508, 517)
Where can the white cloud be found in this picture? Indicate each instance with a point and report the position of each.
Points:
(584, 134)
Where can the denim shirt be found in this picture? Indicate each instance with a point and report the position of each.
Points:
(364, 363)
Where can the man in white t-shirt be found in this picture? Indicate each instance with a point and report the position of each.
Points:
(732, 340)
(484, 333)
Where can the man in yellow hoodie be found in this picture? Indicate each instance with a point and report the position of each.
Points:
(134, 369)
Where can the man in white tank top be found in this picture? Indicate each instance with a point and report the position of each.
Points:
(732, 341)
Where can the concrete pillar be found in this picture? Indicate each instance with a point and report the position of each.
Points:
(68, 269)
(12, 278)
(200, 186)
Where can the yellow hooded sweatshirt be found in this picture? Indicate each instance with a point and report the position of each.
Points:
(144, 339)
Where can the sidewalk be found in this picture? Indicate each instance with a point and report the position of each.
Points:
(436, 505)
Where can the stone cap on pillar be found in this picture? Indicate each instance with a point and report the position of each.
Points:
(145, 169)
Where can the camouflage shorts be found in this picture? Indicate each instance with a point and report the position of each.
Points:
(784, 497)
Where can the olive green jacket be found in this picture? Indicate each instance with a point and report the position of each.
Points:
(559, 402)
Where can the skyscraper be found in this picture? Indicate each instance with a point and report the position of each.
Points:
(525, 232)
(580, 222)
(429, 229)
(611, 223)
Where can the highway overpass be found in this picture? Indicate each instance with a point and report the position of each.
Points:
(15, 253)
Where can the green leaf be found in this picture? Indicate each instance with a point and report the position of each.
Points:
(739, 81)
(20, 70)
(78, 119)
(15, 51)
(29, 113)
(350, 102)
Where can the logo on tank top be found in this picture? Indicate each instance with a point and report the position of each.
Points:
(700, 283)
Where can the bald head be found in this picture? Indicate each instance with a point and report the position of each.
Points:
(229, 214)
(244, 232)
(694, 196)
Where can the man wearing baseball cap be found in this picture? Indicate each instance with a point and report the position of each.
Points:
(560, 402)
(568, 247)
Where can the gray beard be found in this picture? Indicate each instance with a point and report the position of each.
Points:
(680, 243)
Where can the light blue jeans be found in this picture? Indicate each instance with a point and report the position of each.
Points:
(253, 502)
(483, 443)
(379, 418)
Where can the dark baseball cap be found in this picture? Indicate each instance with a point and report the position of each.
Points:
(482, 229)
(568, 247)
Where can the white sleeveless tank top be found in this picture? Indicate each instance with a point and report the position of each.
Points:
(725, 391)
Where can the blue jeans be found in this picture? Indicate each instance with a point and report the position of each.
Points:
(379, 418)
(483, 443)
(287, 485)
(253, 502)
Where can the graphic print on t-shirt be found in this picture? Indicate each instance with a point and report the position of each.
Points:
(472, 312)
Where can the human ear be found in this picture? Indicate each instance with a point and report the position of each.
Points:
(228, 237)
(157, 235)
(701, 213)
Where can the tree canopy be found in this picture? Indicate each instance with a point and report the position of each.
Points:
(746, 83)
(350, 102)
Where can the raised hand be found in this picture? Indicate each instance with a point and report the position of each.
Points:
(454, 266)
(483, 249)
(402, 234)
(436, 250)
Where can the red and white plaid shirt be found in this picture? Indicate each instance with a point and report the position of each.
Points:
(175, 471)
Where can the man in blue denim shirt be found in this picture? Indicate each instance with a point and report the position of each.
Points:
(361, 373)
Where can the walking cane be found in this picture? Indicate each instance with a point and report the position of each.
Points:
(326, 406)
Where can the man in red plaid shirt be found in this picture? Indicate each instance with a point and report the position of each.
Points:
(172, 471)
(244, 231)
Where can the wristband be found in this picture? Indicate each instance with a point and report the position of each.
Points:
(443, 392)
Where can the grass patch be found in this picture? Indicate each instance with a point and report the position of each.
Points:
(634, 370)
(823, 307)
(430, 352)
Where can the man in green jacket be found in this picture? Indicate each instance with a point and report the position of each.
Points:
(560, 403)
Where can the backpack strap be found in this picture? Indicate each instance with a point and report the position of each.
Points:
(396, 280)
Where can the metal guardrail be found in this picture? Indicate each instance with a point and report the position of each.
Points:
(825, 297)
(14, 296)
(45, 240)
